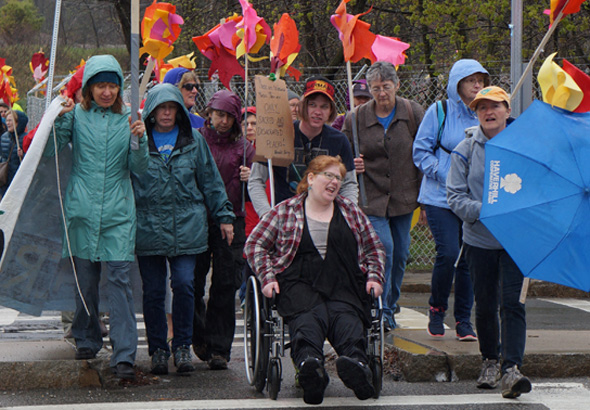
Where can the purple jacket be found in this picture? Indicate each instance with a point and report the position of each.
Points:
(229, 155)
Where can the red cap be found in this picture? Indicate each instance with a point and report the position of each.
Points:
(319, 85)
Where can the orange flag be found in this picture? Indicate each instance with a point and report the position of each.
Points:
(358, 42)
(355, 35)
(284, 47)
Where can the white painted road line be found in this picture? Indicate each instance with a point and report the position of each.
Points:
(572, 303)
(555, 396)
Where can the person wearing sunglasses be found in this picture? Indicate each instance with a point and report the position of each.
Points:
(386, 128)
(188, 84)
(319, 254)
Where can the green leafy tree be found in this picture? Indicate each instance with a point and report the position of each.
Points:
(19, 21)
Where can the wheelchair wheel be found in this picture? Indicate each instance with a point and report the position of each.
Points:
(274, 378)
(255, 356)
(261, 372)
(376, 367)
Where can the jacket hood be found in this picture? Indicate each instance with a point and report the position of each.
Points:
(174, 76)
(461, 69)
(22, 121)
(97, 64)
(162, 93)
(227, 101)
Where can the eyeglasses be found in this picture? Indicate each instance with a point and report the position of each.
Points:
(331, 176)
(190, 86)
(386, 88)
(474, 80)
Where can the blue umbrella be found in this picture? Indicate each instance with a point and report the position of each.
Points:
(536, 198)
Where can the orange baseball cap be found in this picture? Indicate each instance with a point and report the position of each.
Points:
(492, 93)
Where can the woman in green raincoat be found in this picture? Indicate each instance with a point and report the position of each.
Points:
(100, 208)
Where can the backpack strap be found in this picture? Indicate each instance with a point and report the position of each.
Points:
(441, 113)
(413, 127)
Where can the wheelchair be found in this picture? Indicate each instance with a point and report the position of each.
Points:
(266, 339)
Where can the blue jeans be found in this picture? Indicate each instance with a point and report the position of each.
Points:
(446, 228)
(123, 326)
(153, 276)
(497, 282)
(394, 233)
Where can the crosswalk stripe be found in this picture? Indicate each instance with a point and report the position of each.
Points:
(555, 396)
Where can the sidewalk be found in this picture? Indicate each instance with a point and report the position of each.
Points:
(28, 364)
(548, 353)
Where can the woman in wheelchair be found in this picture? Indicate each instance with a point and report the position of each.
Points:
(322, 258)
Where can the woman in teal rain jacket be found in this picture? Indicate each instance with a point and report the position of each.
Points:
(100, 208)
(172, 198)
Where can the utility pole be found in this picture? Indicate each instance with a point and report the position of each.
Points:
(523, 97)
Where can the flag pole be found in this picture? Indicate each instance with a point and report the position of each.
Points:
(54, 38)
(245, 125)
(355, 134)
(134, 69)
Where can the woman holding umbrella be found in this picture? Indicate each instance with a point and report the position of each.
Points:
(492, 269)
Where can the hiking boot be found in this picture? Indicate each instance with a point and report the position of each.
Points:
(436, 322)
(183, 360)
(160, 361)
(490, 374)
(356, 376)
(217, 362)
(514, 383)
(465, 332)
(313, 379)
(124, 370)
(85, 353)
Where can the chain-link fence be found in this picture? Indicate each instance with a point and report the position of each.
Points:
(415, 86)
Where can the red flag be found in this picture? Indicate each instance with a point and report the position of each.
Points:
(573, 6)
(583, 81)
(217, 45)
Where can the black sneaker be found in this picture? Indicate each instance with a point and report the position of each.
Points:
(124, 370)
(465, 332)
(160, 362)
(85, 353)
(313, 379)
(183, 360)
(356, 376)
(436, 322)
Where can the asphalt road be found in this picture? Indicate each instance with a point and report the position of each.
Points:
(206, 389)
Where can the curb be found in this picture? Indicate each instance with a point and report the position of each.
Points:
(423, 363)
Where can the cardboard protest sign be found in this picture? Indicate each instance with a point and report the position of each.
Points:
(274, 126)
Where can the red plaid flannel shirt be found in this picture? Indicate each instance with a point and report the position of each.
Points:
(273, 243)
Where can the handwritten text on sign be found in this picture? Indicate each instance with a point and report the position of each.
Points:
(274, 126)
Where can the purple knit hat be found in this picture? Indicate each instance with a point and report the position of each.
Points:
(227, 101)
